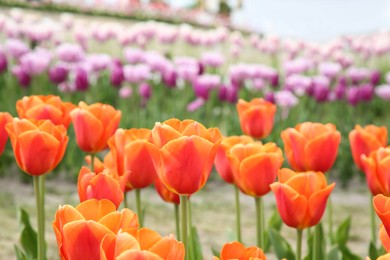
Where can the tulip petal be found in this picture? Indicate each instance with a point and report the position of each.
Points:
(294, 147)
(168, 248)
(94, 209)
(317, 204)
(147, 238)
(232, 250)
(89, 129)
(138, 255)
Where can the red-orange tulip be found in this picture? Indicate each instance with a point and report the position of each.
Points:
(186, 155)
(45, 107)
(166, 194)
(384, 237)
(99, 186)
(131, 152)
(79, 231)
(38, 146)
(377, 170)
(382, 209)
(94, 125)
(98, 164)
(365, 140)
(301, 197)
(255, 166)
(4, 119)
(311, 146)
(221, 162)
(236, 250)
(256, 117)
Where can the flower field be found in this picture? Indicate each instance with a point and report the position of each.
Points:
(147, 140)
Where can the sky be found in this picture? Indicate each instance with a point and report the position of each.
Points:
(316, 20)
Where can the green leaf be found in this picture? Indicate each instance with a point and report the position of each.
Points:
(348, 255)
(19, 253)
(28, 236)
(274, 222)
(194, 245)
(320, 246)
(215, 252)
(342, 233)
(334, 253)
(281, 246)
(373, 251)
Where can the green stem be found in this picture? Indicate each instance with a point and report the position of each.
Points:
(184, 224)
(92, 162)
(238, 213)
(139, 207)
(177, 219)
(259, 221)
(299, 244)
(125, 202)
(316, 242)
(39, 182)
(330, 220)
(373, 222)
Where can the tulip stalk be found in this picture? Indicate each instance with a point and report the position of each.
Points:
(238, 213)
(93, 162)
(177, 221)
(139, 207)
(39, 185)
(184, 223)
(125, 202)
(330, 220)
(373, 221)
(299, 244)
(259, 221)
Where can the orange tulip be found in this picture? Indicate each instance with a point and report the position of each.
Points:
(186, 155)
(384, 237)
(45, 107)
(98, 164)
(365, 140)
(4, 119)
(384, 257)
(166, 247)
(131, 151)
(236, 250)
(382, 209)
(166, 194)
(38, 146)
(221, 162)
(377, 169)
(94, 125)
(255, 166)
(311, 146)
(256, 117)
(99, 186)
(301, 197)
(79, 231)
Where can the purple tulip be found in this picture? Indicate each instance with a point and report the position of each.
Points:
(366, 92)
(383, 91)
(204, 84)
(285, 98)
(329, 69)
(339, 91)
(117, 76)
(24, 79)
(136, 73)
(352, 94)
(35, 63)
(270, 97)
(169, 78)
(212, 59)
(81, 81)
(99, 62)
(3, 62)
(69, 52)
(375, 77)
(145, 91)
(195, 105)
(134, 56)
(58, 74)
(16, 48)
(125, 92)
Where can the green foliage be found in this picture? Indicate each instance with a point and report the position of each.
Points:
(341, 239)
(280, 245)
(275, 222)
(28, 238)
(316, 243)
(195, 246)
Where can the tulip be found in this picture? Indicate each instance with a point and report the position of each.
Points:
(377, 170)
(301, 197)
(186, 154)
(3, 62)
(381, 205)
(99, 186)
(185, 147)
(255, 167)
(38, 146)
(384, 237)
(79, 231)
(301, 200)
(24, 79)
(236, 250)
(365, 140)
(131, 152)
(4, 119)
(256, 117)
(58, 74)
(311, 146)
(94, 125)
(81, 80)
(45, 107)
